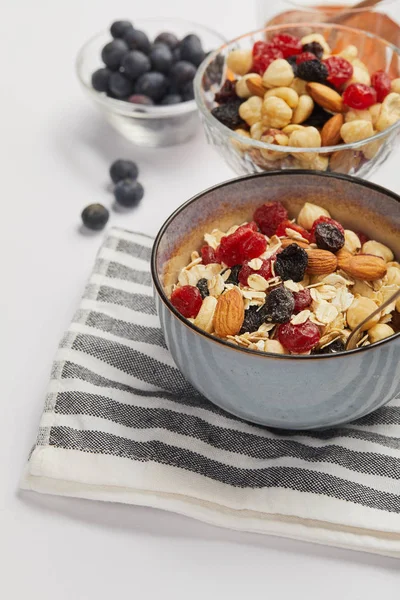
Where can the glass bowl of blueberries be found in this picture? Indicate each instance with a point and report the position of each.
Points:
(141, 74)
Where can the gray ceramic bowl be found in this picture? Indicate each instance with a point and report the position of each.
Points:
(290, 392)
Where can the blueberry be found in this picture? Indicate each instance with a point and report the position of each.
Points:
(152, 84)
(315, 48)
(279, 305)
(119, 28)
(233, 275)
(171, 99)
(113, 53)
(176, 54)
(128, 192)
(292, 262)
(292, 62)
(137, 40)
(202, 286)
(312, 70)
(329, 237)
(187, 91)
(254, 317)
(318, 117)
(182, 71)
(140, 99)
(123, 169)
(95, 216)
(120, 86)
(191, 49)
(161, 58)
(167, 38)
(100, 79)
(333, 348)
(135, 63)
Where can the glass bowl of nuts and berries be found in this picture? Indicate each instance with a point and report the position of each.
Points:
(260, 281)
(309, 96)
(140, 75)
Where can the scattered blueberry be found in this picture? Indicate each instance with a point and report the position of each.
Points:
(120, 86)
(152, 84)
(119, 28)
(140, 99)
(100, 79)
(123, 169)
(113, 53)
(171, 99)
(128, 192)
(312, 70)
(95, 216)
(137, 40)
(182, 71)
(315, 48)
(135, 63)
(167, 38)
(161, 58)
(191, 49)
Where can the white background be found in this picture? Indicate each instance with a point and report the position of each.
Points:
(55, 154)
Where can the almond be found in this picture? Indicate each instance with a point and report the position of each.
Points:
(229, 313)
(287, 241)
(362, 266)
(255, 86)
(343, 259)
(330, 133)
(321, 261)
(325, 97)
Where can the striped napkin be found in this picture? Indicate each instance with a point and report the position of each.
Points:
(120, 423)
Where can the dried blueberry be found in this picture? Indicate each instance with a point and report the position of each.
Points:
(312, 70)
(128, 192)
(292, 62)
(95, 216)
(228, 114)
(227, 93)
(318, 117)
(120, 86)
(329, 237)
(279, 305)
(123, 169)
(152, 84)
(203, 287)
(100, 79)
(135, 63)
(113, 53)
(291, 263)
(161, 58)
(182, 71)
(191, 49)
(167, 38)
(171, 99)
(119, 28)
(234, 274)
(137, 40)
(315, 48)
(333, 348)
(254, 317)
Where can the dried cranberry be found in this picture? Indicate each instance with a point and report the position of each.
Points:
(315, 48)
(254, 246)
(202, 286)
(265, 271)
(291, 263)
(263, 55)
(324, 220)
(187, 300)
(362, 237)
(382, 84)
(339, 70)
(279, 305)
(300, 58)
(299, 338)
(269, 216)
(288, 44)
(208, 255)
(227, 93)
(228, 114)
(329, 237)
(302, 299)
(359, 96)
(281, 230)
(243, 244)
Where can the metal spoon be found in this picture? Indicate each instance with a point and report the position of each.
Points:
(356, 334)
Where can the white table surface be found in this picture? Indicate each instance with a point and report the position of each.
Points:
(55, 157)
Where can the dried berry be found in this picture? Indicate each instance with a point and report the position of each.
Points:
(234, 274)
(315, 48)
(227, 93)
(187, 300)
(292, 62)
(318, 117)
(254, 317)
(203, 287)
(281, 230)
(288, 44)
(299, 338)
(362, 237)
(339, 69)
(312, 70)
(329, 237)
(291, 263)
(243, 244)
(228, 114)
(279, 305)
(359, 96)
(264, 271)
(324, 219)
(304, 56)
(333, 348)
(269, 216)
(302, 300)
(263, 55)
(208, 255)
(382, 84)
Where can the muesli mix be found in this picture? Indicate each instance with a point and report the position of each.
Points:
(289, 286)
(295, 92)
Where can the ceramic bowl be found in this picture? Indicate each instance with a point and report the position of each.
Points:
(284, 391)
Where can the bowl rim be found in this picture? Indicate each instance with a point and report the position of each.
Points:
(206, 113)
(163, 297)
(131, 109)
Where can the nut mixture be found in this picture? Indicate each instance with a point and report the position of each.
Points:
(297, 93)
(289, 286)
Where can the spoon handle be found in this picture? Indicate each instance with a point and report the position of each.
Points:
(347, 12)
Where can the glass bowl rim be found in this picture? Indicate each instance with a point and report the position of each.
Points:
(284, 149)
(159, 288)
(131, 109)
(346, 8)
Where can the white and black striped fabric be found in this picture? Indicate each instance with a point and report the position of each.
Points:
(121, 423)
